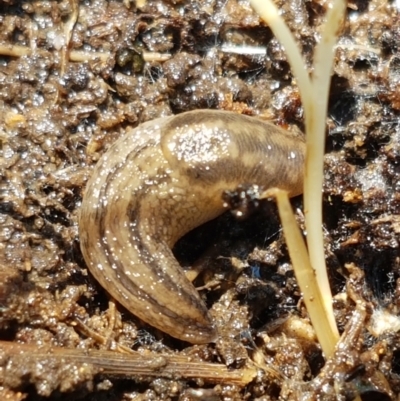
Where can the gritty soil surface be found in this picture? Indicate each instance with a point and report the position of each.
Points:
(130, 62)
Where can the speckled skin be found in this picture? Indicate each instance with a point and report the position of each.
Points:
(160, 181)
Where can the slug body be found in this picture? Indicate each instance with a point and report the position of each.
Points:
(158, 182)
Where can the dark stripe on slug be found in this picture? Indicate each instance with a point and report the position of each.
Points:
(117, 273)
(148, 261)
(154, 262)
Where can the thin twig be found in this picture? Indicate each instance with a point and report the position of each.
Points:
(133, 365)
(76, 55)
(68, 28)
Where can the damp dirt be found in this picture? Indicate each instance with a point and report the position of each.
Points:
(74, 76)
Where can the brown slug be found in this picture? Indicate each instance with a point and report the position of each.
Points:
(158, 182)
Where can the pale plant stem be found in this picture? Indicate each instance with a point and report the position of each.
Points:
(314, 94)
(315, 139)
(313, 297)
(267, 10)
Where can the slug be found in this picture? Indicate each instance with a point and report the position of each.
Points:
(158, 182)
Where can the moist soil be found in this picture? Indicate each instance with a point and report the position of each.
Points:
(74, 76)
